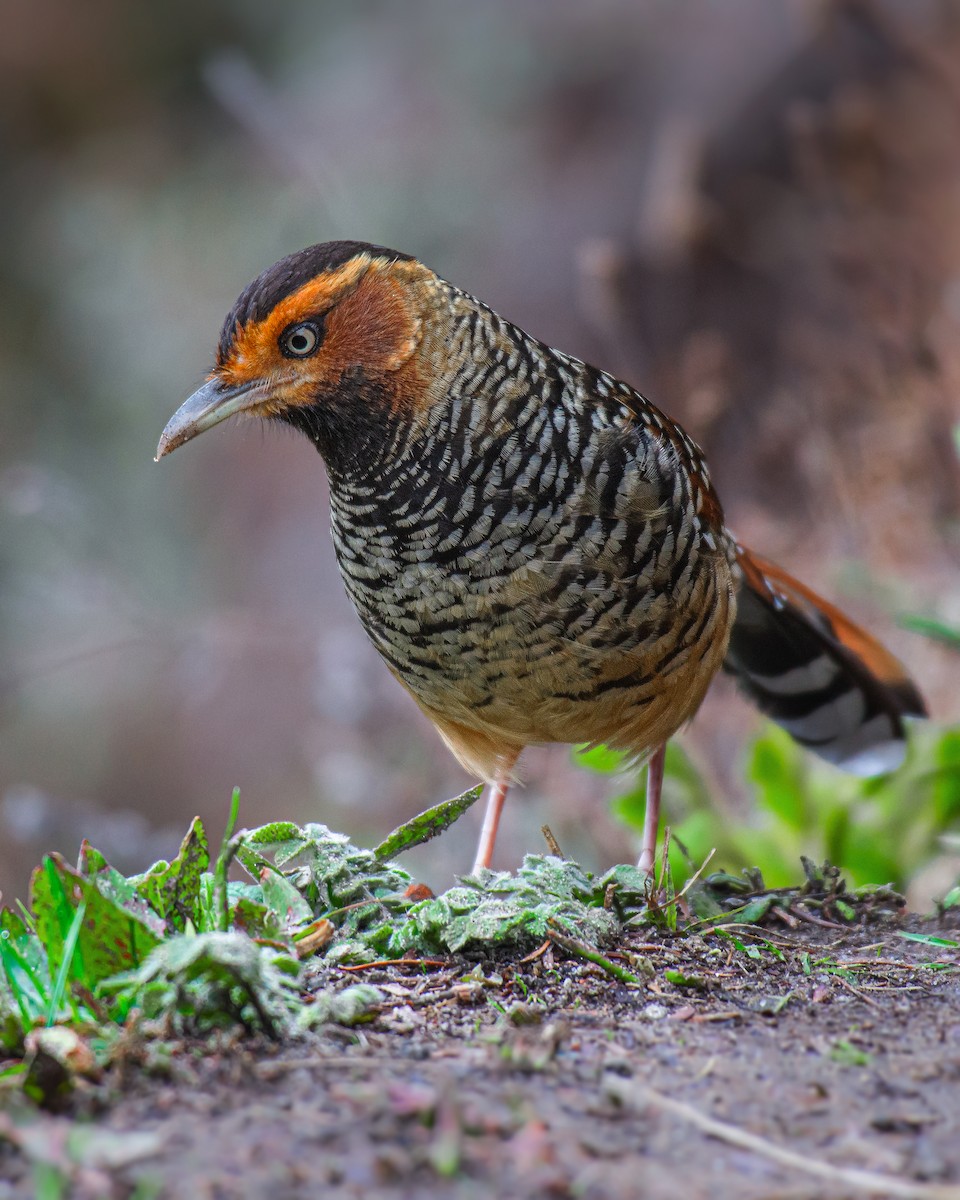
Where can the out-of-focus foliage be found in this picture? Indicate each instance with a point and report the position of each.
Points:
(881, 830)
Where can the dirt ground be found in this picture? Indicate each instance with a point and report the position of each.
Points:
(766, 1060)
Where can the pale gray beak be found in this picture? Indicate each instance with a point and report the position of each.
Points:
(208, 406)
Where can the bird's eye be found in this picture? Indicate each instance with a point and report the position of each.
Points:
(301, 340)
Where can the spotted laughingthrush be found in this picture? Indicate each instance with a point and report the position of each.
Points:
(536, 551)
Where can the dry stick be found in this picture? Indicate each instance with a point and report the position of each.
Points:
(856, 992)
(812, 920)
(695, 876)
(396, 962)
(552, 844)
(754, 931)
(535, 954)
(638, 1096)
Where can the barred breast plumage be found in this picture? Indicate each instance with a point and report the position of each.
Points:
(535, 550)
(539, 556)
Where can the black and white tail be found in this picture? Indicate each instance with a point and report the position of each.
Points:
(817, 674)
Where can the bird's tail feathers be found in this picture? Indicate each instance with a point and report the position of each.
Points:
(808, 667)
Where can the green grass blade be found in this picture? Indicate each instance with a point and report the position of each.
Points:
(222, 866)
(66, 916)
(26, 916)
(62, 907)
(65, 968)
(930, 627)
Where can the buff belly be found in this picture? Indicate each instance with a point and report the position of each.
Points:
(501, 679)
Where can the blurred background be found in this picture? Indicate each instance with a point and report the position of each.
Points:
(750, 211)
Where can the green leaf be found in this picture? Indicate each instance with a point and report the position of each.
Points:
(24, 982)
(211, 980)
(281, 839)
(283, 899)
(351, 1006)
(848, 1055)
(776, 772)
(928, 939)
(703, 902)
(946, 779)
(255, 919)
(680, 979)
(629, 808)
(496, 908)
(219, 912)
(115, 933)
(601, 759)
(116, 887)
(630, 892)
(325, 867)
(90, 860)
(427, 825)
(173, 889)
(754, 911)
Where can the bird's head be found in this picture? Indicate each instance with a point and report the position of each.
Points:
(327, 340)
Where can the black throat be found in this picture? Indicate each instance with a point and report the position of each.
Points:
(354, 428)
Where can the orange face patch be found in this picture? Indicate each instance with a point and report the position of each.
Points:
(371, 323)
(255, 352)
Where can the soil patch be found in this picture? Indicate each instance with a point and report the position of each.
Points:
(497, 1077)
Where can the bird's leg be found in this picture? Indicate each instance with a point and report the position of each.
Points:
(496, 795)
(651, 816)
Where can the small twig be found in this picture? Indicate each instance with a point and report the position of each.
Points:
(728, 1014)
(812, 920)
(534, 955)
(695, 876)
(735, 927)
(456, 991)
(856, 991)
(582, 950)
(786, 917)
(878, 962)
(638, 1095)
(397, 962)
(552, 844)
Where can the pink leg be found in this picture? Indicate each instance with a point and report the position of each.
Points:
(496, 795)
(651, 816)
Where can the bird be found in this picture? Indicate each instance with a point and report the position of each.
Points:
(536, 551)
